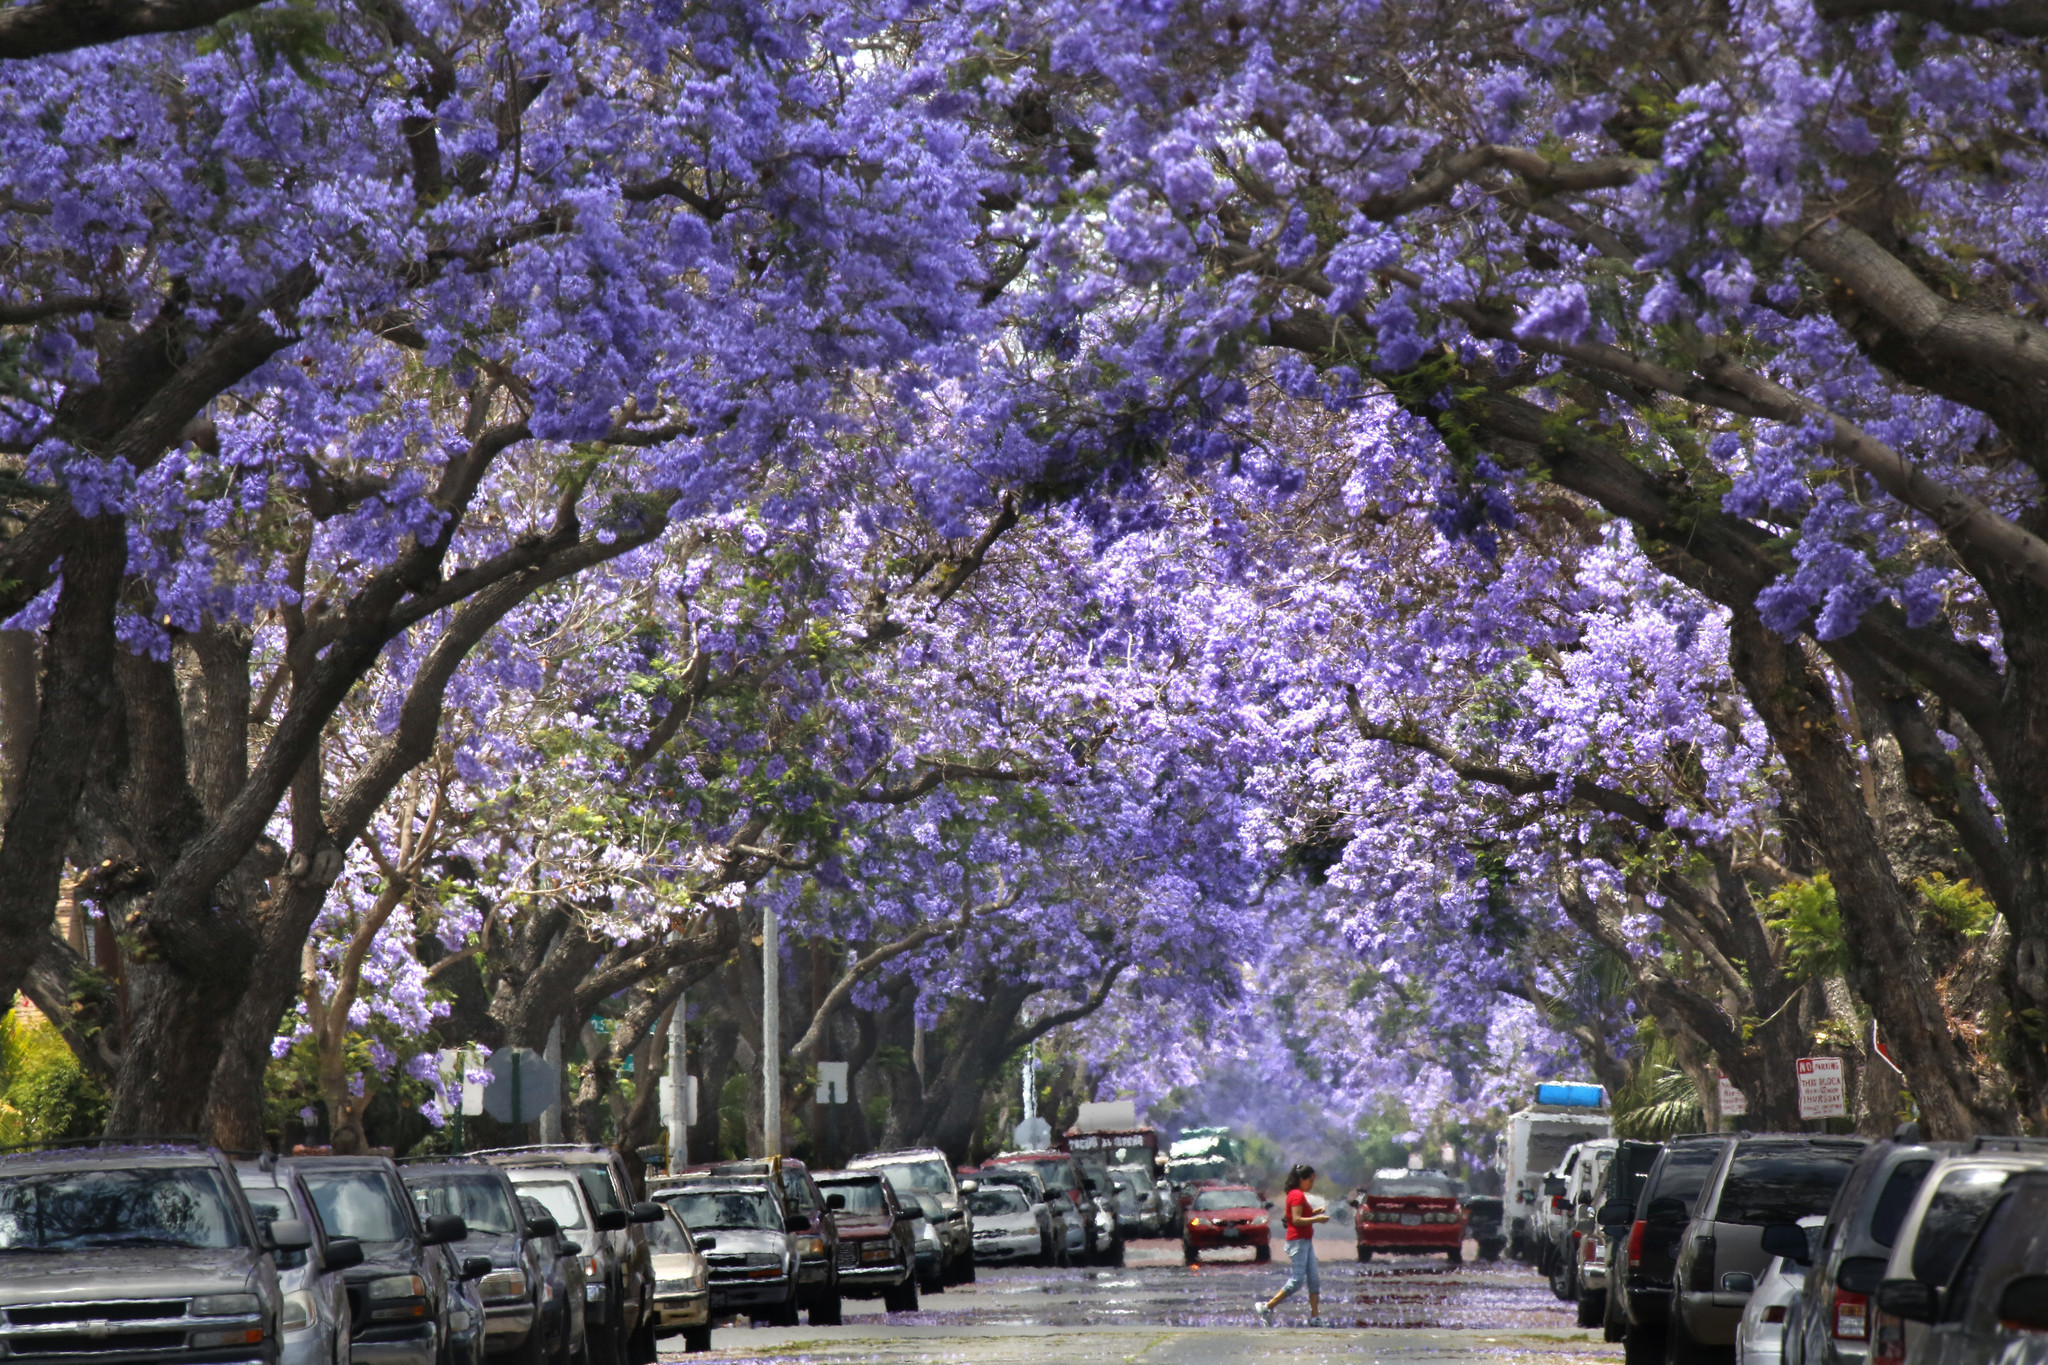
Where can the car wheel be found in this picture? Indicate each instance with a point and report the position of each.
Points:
(789, 1314)
(1456, 1255)
(1490, 1251)
(1364, 1252)
(967, 1273)
(1262, 1254)
(1188, 1254)
(642, 1349)
(1642, 1346)
(697, 1339)
(1592, 1309)
(827, 1312)
(902, 1298)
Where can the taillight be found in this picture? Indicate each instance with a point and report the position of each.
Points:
(1590, 1249)
(1888, 1341)
(1557, 1203)
(1635, 1242)
(1852, 1316)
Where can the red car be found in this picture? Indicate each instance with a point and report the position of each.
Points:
(1226, 1216)
(1413, 1212)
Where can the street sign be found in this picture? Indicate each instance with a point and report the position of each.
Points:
(522, 1084)
(455, 1066)
(1734, 1103)
(1033, 1134)
(668, 1100)
(1822, 1093)
(832, 1085)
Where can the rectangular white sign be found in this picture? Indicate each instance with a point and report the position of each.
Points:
(668, 1101)
(1734, 1103)
(1823, 1094)
(832, 1082)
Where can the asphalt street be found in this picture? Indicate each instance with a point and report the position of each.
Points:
(1158, 1311)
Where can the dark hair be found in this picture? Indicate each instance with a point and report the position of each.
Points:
(1301, 1175)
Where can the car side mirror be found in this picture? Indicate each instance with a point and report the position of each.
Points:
(647, 1212)
(835, 1202)
(1787, 1240)
(1553, 1185)
(613, 1220)
(543, 1227)
(343, 1253)
(2023, 1306)
(1615, 1213)
(908, 1215)
(797, 1222)
(443, 1228)
(969, 1186)
(703, 1241)
(572, 1248)
(290, 1234)
(1738, 1282)
(475, 1267)
(1910, 1299)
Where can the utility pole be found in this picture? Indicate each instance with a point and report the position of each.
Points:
(679, 1088)
(1030, 1082)
(551, 1117)
(771, 1035)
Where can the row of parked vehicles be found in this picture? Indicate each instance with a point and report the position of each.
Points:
(173, 1254)
(1802, 1249)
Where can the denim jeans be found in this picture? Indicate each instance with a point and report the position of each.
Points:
(1301, 1267)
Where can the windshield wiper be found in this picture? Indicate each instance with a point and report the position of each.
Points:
(137, 1239)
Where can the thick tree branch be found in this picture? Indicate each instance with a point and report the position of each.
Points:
(46, 26)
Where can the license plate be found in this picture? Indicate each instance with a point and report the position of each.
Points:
(1230, 1234)
(1411, 1220)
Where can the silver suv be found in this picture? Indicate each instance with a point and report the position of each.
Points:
(137, 1256)
(926, 1171)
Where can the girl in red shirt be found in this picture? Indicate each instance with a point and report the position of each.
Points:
(1300, 1219)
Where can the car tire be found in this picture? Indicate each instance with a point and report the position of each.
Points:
(641, 1347)
(828, 1311)
(789, 1313)
(1364, 1252)
(1642, 1346)
(1592, 1308)
(1682, 1349)
(697, 1339)
(1262, 1254)
(1456, 1255)
(1188, 1254)
(901, 1298)
(967, 1275)
(1490, 1251)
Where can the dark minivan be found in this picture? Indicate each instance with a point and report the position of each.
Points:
(1642, 1281)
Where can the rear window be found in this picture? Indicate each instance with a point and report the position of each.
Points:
(1895, 1199)
(859, 1196)
(1685, 1170)
(1958, 1206)
(1774, 1184)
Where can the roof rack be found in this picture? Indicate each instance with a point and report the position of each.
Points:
(438, 1159)
(180, 1140)
(1991, 1142)
(541, 1147)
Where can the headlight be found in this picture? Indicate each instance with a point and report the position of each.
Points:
(298, 1311)
(458, 1319)
(503, 1284)
(690, 1281)
(226, 1305)
(810, 1246)
(398, 1287)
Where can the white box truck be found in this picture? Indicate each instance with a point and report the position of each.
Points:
(1537, 1139)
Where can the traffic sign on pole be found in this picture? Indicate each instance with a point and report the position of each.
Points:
(832, 1088)
(1734, 1103)
(1822, 1093)
(522, 1085)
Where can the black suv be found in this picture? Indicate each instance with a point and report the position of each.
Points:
(1614, 1215)
(401, 1296)
(1640, 1283)
(1771, 1181)
(136, 1255)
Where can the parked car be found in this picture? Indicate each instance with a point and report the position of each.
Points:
(466, 1317)
(1152, 1204)
(1944, 1215)
(562, 1264)
(1663, 1209)
(313, 1326)
(1759, 1182)
(83, 1229)
(748, 1238)
(927, 1240)
(1483, 1214)
(1581, 1196)
(682, 1283)
(1227, 1216)
(925, 1170)
(877, 1257)
(1109, 1228)
(1550, 1215)
(1410, 1212)
(1994, 1306)
(1064, 1235)
(1005, 1228)
(619, 1267)
(1604, 1251)
(817, 1246)
(1833, 1324)
(1062, 1177)
(401, 1295)
(515, 1303)
(1760, 1335)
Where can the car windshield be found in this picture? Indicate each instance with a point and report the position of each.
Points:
(1412, 1185)
(796, 1192)
(993, 1201)
(919, 1177)
(359, 1204)
(1210, 1200)
(1057, 1175)
(80, 1210)
(1139, 1177)
(477, 1200)
(1959, 1204)
(861, 1196)
(669, 1235)
(1777, 1184)
(1033, 1187)
(558, 1197)
(707, 1209)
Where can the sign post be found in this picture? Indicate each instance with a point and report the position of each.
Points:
(522, 1087)
(1734, 1104)
(1822, 1092)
